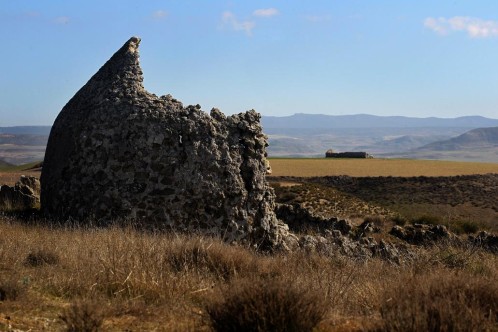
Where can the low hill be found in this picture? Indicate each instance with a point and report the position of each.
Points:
(3, 164)
(476, 138)
(23, 139)
(308, 135)
(23, 144)
(479, 144)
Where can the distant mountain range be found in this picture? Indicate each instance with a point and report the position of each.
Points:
(26, 130)
(23, 144)
(316, 121)
(310, 135)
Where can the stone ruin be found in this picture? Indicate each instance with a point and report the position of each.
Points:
(119, 153)
(360, 155)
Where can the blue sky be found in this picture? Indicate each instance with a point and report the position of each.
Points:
(413, 58)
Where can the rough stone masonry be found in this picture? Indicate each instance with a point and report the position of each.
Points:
(118, 152)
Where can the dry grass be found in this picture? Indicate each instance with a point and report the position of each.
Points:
(434, 303)
(10, 178)
(376, 167)
(121, 279)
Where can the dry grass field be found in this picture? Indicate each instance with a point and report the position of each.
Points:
(308, 167)
(79, 278)
(115, 279)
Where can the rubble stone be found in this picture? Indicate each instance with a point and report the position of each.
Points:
(420, 234)
(301, 219)
(25, 194)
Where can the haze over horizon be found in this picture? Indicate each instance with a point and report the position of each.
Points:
(386, 58)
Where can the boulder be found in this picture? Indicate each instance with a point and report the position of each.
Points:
(485, 240)
(300, 219)
(420, 234)
(117, 152)
(25, 194)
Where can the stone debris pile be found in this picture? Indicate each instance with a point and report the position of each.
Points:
(24, 195)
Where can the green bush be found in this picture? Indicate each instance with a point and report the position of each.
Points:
(427, 220)
(464, 227)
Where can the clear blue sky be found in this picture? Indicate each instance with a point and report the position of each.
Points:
(413, 58)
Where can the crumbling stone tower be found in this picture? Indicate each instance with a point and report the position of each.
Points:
(118, 152)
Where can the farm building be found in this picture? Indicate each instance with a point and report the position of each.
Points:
(362, 155)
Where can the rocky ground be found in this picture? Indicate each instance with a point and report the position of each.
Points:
(455, 199)
(358, 255)
(387, 216)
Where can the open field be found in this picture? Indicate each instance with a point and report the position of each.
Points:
(307, 167)
(10, 175)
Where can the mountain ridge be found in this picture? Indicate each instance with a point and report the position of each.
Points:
(302, 120)
(26, 130)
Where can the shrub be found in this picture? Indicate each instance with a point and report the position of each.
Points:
(215, 258)
(267, 305)
(10, 290)
(427, 220)
(41, 257)
(374, 220)
(445, 302)
(399, 220)
(83, 317)
(464, 227)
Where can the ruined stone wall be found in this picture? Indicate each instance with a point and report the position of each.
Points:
(118, 152)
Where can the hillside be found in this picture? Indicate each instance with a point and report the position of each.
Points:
(476, 138)
(23, 144)
(378, 141)
(479, 144)
(310, 135)
(23, 139)
(3, 164)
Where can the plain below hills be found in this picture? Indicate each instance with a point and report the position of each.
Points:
(478, 144)
(310, 135)
(23, 144)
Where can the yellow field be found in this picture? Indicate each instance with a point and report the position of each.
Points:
(376, 167)
(10, 178)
